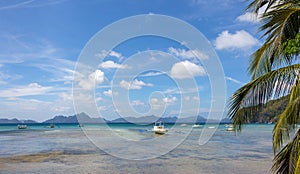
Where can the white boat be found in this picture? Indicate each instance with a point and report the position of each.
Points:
(22, 126)
(229, 127)
(159, 128)
(50, 126)
(196, 125)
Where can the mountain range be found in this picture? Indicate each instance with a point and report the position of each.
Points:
(84, 118)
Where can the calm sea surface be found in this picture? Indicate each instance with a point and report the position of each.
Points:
(67, 149)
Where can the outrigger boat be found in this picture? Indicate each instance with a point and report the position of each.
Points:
(229, 127)
(159, 128)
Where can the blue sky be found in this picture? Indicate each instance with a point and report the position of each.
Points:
(40, 43)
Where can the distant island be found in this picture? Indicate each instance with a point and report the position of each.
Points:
(267, 113)
(84, 118)
(16, 121)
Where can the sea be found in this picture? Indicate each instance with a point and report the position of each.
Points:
(135, 148)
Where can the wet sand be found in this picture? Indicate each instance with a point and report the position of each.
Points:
(62, 163)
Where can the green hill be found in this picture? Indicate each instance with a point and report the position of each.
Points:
(268, 112)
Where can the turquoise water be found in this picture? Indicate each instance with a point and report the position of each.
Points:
(225, 152)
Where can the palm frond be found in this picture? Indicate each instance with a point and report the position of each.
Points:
(280, 24)
(257, 60)
(273, 84)
(286, 123)
(258, 4)
(287, 160)
(288, 120)
(297, 168)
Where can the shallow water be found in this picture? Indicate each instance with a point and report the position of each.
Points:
(67, 149)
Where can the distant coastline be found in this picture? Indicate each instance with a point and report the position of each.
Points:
(84, 118)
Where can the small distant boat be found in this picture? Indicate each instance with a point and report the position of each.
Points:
(196, 125)
(159, 128)
(22, 126)
(183, 125)
(51, 126)
(229, 127)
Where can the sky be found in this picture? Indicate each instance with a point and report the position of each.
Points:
(43, 71)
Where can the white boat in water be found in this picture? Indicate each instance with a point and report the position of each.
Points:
(50, 126)
(229, 127)
(159, 128)
(196, 125)
(22, 126)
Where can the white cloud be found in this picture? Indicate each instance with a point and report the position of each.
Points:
(171, 91)
(233, 80)
(110, 64)
(136, 84)
(196, 98)
(97, 77)
(253, 17)
(61, 108)
(29, 90)
(159, 103)
(187, 98)
(30, 4)
(105, 53)
(188, 54)
(153, 101)
(150, 74)
(137, 103)
(108, 93)
(249, 17)
(156, 104)
(238, 40)
(62, 70)
(186, 69)
(115, 54)
(169, 100)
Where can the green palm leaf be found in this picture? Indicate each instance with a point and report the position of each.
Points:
(274, 68)
(271, 85)
(280, 24)
(287, 160)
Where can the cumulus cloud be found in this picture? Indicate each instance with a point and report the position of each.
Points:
(136, 84)
(162, 102)
(186, 69)
(111, 64)
(238, 40)
(188, 54)
(97, 77)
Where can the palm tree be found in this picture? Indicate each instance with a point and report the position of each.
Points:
(275, 71)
